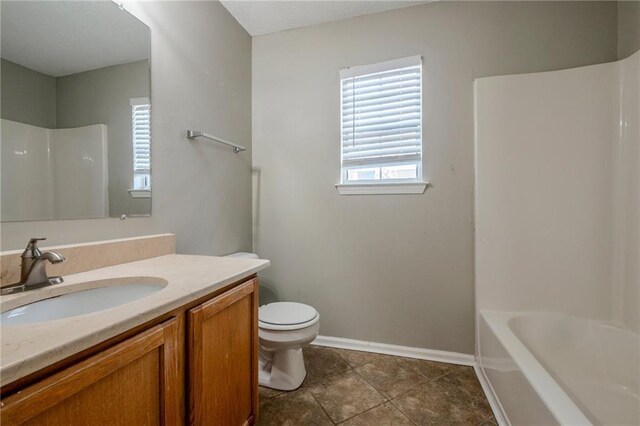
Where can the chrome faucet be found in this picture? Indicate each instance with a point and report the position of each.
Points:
(33, 270)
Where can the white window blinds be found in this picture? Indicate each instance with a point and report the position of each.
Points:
(381, 120)
(141, 135)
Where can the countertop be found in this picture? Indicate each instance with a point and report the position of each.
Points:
(30, 347)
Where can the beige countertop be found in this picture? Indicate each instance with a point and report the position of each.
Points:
(30, 347)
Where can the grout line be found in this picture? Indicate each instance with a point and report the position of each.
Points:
(262, 399)
(431, 379)
(490, 417)
(321, 407)
(386, 399)
(365, 411)
(396, 357)
(402, 394)
(322, 380)
(326, 378)
(406, 392)
(473, 398)
(353, 367)
(484, 421)
(399, 409)
(451, 373)
(280, 395)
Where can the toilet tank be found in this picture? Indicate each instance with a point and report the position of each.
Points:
(267, 293)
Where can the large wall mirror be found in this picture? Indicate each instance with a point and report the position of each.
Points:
(76, 110)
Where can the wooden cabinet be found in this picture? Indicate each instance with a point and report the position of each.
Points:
(132, 383)
(223, 358)
(207, 350)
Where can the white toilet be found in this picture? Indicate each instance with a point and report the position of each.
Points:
(284, 328)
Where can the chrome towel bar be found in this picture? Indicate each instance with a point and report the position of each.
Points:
(192, 134)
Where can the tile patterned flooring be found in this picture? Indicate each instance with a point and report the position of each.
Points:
(358, 388)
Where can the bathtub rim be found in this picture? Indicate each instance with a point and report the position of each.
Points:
(556, 399)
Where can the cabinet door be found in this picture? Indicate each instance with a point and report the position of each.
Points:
(223, 358)
(136, 382)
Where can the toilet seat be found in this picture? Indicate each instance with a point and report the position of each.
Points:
(286, 316)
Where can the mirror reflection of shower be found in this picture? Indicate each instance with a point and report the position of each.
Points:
(53, 173)
(76, 111)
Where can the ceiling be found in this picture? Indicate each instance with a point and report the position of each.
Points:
(59, 38)
(260, 17)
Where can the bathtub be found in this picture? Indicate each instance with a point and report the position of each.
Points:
(547, 368)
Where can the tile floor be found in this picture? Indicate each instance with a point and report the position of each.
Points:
(358, 388)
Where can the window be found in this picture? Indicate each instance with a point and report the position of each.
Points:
(381, 123)
(141, 136)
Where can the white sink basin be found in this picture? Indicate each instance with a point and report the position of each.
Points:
(82, 302)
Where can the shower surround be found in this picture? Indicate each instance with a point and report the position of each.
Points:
(53, 173)
(557, 243)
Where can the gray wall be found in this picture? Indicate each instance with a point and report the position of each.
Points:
(200, 79)
(28, 96)
(102, 97)
(394, 269)
(628, 28)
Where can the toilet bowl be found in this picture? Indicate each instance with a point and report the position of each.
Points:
(284, 328)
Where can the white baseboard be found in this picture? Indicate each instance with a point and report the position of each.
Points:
(498, 413)
(396, 350)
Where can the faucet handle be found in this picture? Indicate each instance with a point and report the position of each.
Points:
(32, 249)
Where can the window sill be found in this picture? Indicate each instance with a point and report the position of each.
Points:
(140, 193)
(387, 188)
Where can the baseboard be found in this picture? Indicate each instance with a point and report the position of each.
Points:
(496, 407)
(396, 350)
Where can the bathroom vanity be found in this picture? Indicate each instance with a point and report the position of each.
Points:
(187, 353)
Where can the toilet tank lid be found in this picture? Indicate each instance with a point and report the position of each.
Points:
(286, 313)
(244, 255)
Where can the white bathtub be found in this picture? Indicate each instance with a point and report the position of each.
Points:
(546, 368)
